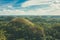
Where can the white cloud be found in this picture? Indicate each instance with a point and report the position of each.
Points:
(56, 12)
(10, 6)
(30, 12)
(35, 2)
(53, 9)
(11, 12)
(52, 3)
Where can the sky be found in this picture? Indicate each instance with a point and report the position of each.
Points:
(29, 7)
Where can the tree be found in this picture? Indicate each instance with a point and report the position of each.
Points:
(2, 35)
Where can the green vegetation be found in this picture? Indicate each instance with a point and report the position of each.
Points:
(29, 27)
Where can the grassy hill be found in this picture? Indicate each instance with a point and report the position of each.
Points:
(29, 27)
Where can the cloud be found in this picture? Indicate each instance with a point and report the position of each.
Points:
(30, 12)
(35, 2)
(31, 7)
(9, 12)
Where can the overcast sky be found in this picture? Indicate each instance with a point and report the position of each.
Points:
(29, 7)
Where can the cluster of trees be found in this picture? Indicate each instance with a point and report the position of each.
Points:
(29, 28)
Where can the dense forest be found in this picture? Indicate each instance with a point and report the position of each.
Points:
(29, 27)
